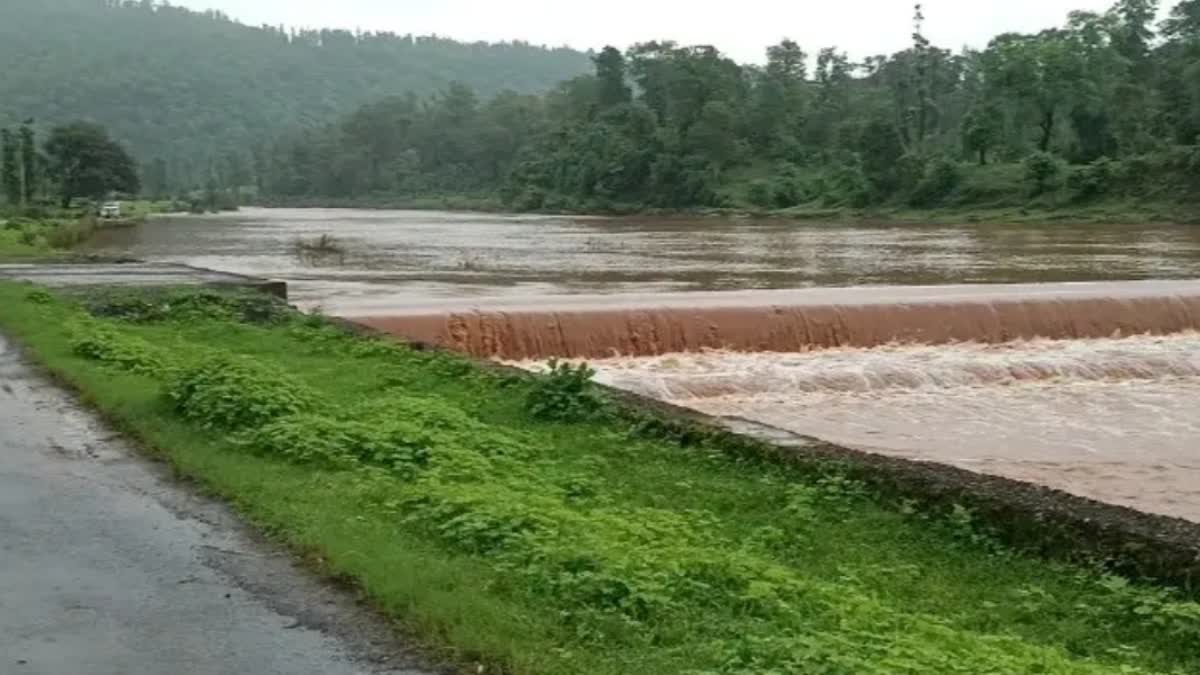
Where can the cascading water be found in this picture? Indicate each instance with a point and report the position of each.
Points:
(799, 320)
(1116, 420)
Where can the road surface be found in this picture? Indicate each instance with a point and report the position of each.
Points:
(107, 567)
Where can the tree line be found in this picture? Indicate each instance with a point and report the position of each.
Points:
(1107, 105)
(77, 160)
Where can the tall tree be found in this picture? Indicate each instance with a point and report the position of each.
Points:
(611, 88)
(28, 162)
(9, 167)
(85, 162)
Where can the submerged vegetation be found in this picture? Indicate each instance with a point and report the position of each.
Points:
(518, 522)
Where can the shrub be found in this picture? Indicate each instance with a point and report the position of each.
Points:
(186, 305)
(101, 343)
(39, 296)
(565, 394)
(941, 178)
(308, 439)
(1093, 180)
(230, 392)
(846, 185)
(759, 193)
(1042, 171)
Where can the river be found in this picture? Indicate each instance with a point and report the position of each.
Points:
(1109, 417)
(408, 257)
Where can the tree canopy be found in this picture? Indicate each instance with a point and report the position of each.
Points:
(85, 162)
(671, 126)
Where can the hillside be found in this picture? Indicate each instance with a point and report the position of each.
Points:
(197, 89)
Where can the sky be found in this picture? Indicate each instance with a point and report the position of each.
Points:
(741, 29)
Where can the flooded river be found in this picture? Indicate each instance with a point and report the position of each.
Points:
(1107, 418)
(395, 258)
(1114, 420)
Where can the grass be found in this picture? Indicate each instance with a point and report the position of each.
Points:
(50, 233)
(515, 523)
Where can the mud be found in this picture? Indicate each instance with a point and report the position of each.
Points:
(109, 567)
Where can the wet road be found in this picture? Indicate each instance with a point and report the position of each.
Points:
(108, 568)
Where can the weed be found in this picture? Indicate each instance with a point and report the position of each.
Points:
(231, 392)
(565, 394)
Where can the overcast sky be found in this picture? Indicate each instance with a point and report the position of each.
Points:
(741, 28)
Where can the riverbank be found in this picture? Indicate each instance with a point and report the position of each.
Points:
(1120, 212)
(53, 233)
(517, 524)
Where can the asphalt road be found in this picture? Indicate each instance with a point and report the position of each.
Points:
(108, 567)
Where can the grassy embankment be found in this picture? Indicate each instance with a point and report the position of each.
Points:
(518, 523)
(52, 233)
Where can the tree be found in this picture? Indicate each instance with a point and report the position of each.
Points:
(611, 88)
(85, 162)
(28, 162)
(981, 131)
(9, 171)
(1042, 73)
(1184, 21)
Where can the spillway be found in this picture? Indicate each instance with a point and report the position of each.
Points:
(1091, 388)
(793, 320)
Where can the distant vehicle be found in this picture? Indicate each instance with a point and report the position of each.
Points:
(110, 210)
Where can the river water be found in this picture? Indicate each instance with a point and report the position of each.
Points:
(1107, 418)
(399, 258)
(1114, 420)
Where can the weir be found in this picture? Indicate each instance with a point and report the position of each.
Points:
(799, 320)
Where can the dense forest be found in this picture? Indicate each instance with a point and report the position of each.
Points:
(189, 93)
(1106, 106)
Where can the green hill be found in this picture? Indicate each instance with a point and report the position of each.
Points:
(194, 89)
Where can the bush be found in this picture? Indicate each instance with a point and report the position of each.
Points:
(941, 178)
(132, 354)
(565, 394)
(1093, 180)
(230, 392)
(846, 185)
(759, 193)
(1042, 171)
(308, 439)
(186, 305)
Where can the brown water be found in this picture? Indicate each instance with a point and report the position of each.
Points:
(797, 320)
(1114, 420)
(1108, 418)
(401, 258)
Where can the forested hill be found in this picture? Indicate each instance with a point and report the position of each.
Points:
(192, 88)
(1102, 112)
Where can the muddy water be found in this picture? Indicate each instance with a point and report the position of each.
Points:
(1114, 420)
(798, 319)
(398, 258)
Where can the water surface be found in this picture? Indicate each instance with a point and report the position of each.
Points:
(425, 255)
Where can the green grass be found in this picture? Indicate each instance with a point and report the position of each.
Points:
(552, 539)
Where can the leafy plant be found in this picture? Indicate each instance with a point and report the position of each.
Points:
(102, 343)
(565, 393)
(231, 392)
(1042, 171)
